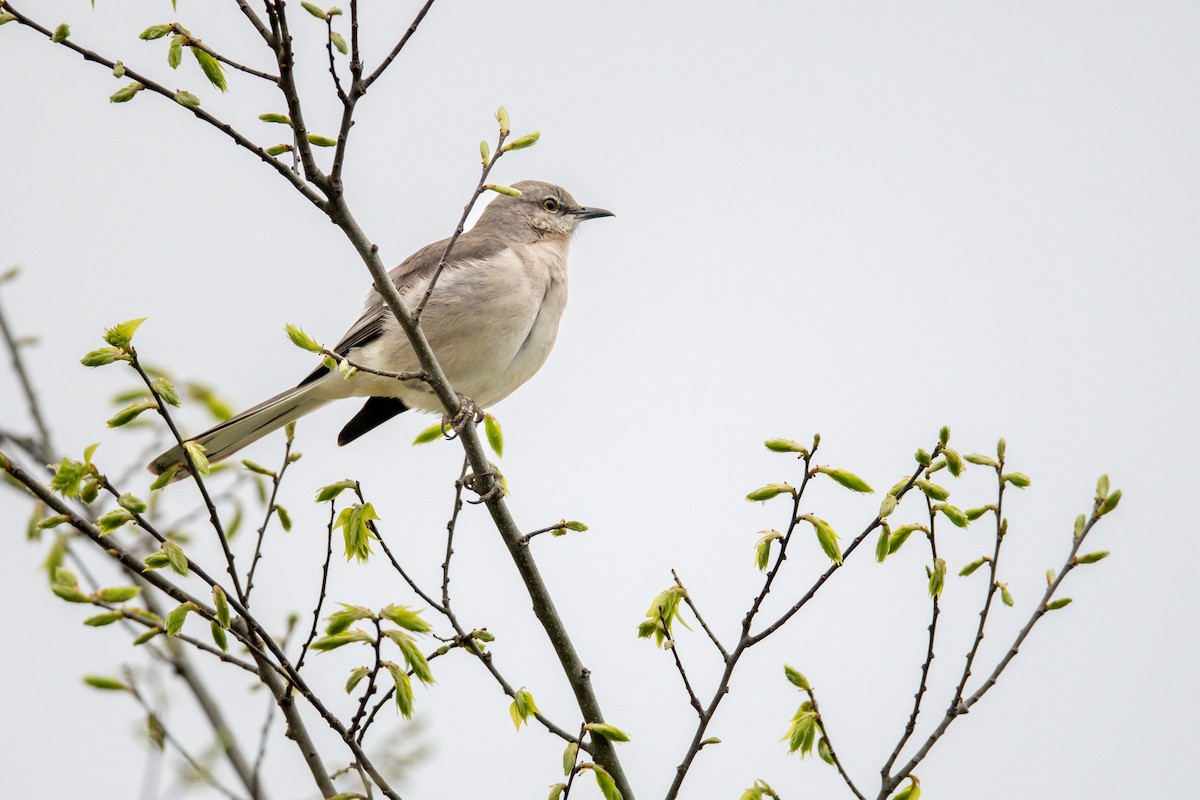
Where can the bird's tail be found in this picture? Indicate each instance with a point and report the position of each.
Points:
(251, 425)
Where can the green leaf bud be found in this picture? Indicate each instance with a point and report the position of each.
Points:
(175, 557)
(339, 42)
(606, 731)
(155, 32)
(1092, 558)
(1059, 603)
(522, 707)
(922, 457)
(982, 460)
(570, 756)
(785, 446)
(162, 480)
(495, 435)
(331, 491)
(485, 153)
(118, 69)
(333, 642)
(130, 413)
(125, 94)
(314, 10)
(52, 522)
(887, 506)
(112, 520)
(175, 52)
(321, 141)
(556, 791)
(1005, 595)
(882, 544)
(134, 505)
(944, 435)
(122, 335)
(429, 434)
(1017, 479)
(406, 618)
(528, 140)
(953, 513)
(7, 17)
(608, 786)
(278, 149)
(60, 33)
(281, 119)
(796, 678)
(212, 68)
(89, 491)
(103, 356)
(826, 537)
(900, 535)
(910, 792)
(953, 461)
(156, 560)
(974, 565)
(937, 577)
(404, 692)
(1080, 523)
(187, 99)
(932, 490)
(975, 513)
(505, 190)
(69, 593)
(1049, 577)
(575, 525)
(769, 491)
(199, 460)
(847, 479)
(285, 519)
(502, 118)
(762, 550)
(1109, 503)
(222, 605)
(107, 618)
(824, 751)
(177, 617)
(1102, 487)
(105, 684)
(356, 676)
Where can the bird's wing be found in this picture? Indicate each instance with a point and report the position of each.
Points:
(418, 267)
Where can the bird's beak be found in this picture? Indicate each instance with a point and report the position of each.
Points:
(592, 213)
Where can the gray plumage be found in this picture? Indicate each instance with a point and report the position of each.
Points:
(491, 321)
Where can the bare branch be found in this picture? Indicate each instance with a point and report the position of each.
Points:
(374, 76)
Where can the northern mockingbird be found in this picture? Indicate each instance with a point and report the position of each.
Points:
(491, 322)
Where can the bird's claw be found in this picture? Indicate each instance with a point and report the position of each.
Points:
(495, 490)
(468, 411)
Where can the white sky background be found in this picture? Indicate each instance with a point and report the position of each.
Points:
(862, 219)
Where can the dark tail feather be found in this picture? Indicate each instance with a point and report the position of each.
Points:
(374, 413)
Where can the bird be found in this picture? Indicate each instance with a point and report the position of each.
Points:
(491, 321)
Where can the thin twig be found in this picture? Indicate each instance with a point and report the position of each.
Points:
(312, 634)
(812, 698)
(31, 398)
(687, 598)
(276, 479)
(687, 684)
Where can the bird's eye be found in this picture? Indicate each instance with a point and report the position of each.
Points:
(550, 204)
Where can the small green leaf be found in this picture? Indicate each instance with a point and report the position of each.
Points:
(412, 655)
(404, 692)
(944, 435)
(281, 119)
(118, 69)
(982, 460)
(912, 791)
(528, 140)
(257, 469)
(122, 95)
(52, 522)
(355, 521)
(887, 506)
(575, 525)
(504, 190)
(132, 504)
(218, 636)
(7, 17)
(212, 68)
(974, 565)
(155, 32)
(502, 118)
(147, 636)
(883, 544)
(769, 491)
(106, 618)
(522, 707)
(932, 490)
(900, 535)
(339, 42)
(331, 491)
(113, 520)
(222, 605)
(953, 513)
(156, 560)
(826, 537)
(175, 52)
(315, 11)
(103, 356)
(187, 99)
(130, 413)
(847, 479)
(285, 519)
(321, 141)
(608, 787)
(302, 339)
(199, 460)
(278, 149)
(495, 436)
(1102, 487)
(356, 676)
(69, 593)
(175, 557)
(177, 617)
(341, 620)
(1092, 558)
(162, 480)
(1057, 604)
(606, 731)
(122, 335)
(485, 154)
(406, 618)
(429, 434)
(953, 461)
(1109, 503)
(937, 577)
(60, 33)
(570, 756)
(824, 751)
(117, 594)
(327, 643)
(785, 446)
(105, 684)
(762, 550)
(796, 678)
(1017, 479)
(1005, 595)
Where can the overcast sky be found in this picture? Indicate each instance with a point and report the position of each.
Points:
(862, 219)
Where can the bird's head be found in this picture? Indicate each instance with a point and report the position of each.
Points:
(548, 209)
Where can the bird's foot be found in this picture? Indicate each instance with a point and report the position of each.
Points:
(468, 411)
(497, 489)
